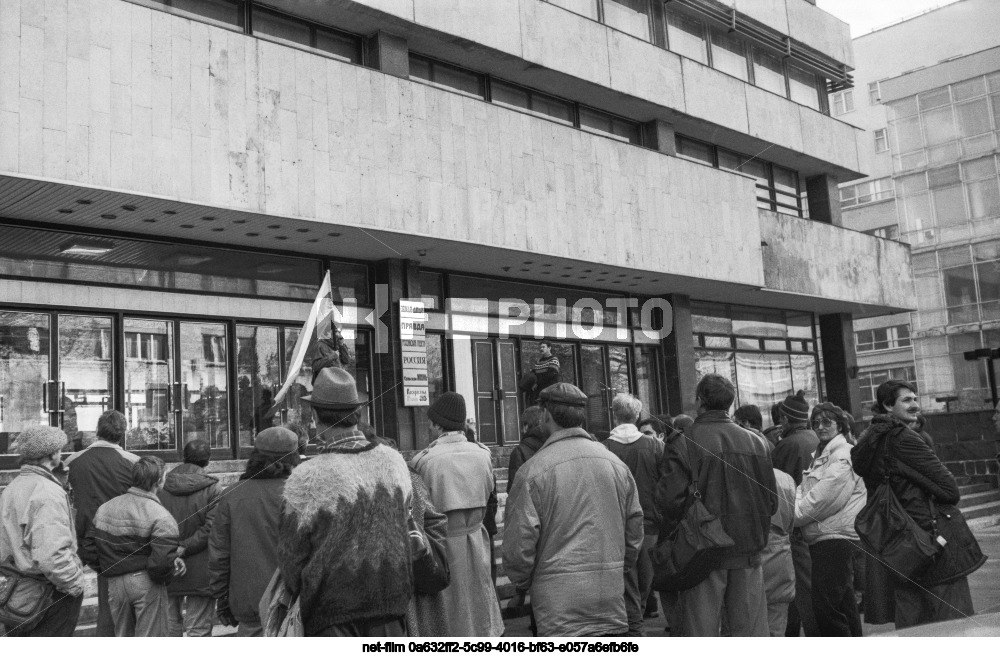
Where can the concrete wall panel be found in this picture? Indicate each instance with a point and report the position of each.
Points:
(653, 74)
(829, 139)
(714, 96)
(773, 118)
(769, 12)
(242, 123)
(495, 24)
(563, 41)
(819, 30)
(818, 259)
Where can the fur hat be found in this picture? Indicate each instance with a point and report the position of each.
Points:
(796, 408)
(448, 411)
(334, 389)
(37, 442)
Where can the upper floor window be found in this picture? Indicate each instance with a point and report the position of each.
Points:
(881, 140)
(778, 188)
(230, 12)
(885, 232)
(880, 339)
(729, 54)
(769, 72)
(533, 101)
(843, 102)
(686, 36)
(868, 191)
(629, 16)
(283, 27)
(593, 120)
(447, 75)
(802, 87)
(874, 93)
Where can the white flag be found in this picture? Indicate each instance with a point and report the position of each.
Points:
(322, 307)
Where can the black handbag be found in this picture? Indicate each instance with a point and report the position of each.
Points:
(23, 599)
(961, 554)
(686, 557)
(891, 535)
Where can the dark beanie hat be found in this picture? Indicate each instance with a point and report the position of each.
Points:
(796, 408)
(448, 411)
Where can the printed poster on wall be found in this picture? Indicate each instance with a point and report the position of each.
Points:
(413, 341)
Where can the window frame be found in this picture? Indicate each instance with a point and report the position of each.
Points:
(882, 136)
(842, 102)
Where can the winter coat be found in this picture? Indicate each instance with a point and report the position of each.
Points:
(794, 451)
(131, 533)
(916, 476)
(243, 546)
(732, 471)
(191, 496)
(344, 544)
(459, 477)
(427, 615)
(36, 529)
(97, 475)
(527, 447)
(831, 495)
(641, 454)
(573, 526)
(776, 558)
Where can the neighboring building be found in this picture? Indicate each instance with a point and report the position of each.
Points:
(175, 176)
(932, 184)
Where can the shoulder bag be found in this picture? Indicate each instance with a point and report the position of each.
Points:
(23, 598)
(891, 535)
(686, 556)
(280, 613)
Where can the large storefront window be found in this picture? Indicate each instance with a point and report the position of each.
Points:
(24, 369)
(767, 354)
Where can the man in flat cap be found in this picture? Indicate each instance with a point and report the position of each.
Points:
(459, 476)
(344, 540)
(573, 524)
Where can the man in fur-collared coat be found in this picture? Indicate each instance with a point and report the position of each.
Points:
(344, 540)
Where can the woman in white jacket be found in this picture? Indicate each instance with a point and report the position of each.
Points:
(826, 504)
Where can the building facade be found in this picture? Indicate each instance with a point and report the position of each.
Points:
(932, 184)
(177, 176)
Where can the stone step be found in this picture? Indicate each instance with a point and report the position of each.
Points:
(975, 488)
(978, 499)
(983, 510)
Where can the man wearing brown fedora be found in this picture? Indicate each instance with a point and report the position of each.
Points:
(459, 475)
(344, 542)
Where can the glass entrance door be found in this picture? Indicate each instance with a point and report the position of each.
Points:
(24, 370)
(205, 383)
(85, 376)
(151, 392)
(497, 405)
(606, 372)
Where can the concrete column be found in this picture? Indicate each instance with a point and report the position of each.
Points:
(659, 135)
(840, 362)
(824, 199)
(678, 350)
(389, 54)
(393, 419)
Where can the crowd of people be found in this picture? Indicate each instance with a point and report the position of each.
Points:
(370, 544)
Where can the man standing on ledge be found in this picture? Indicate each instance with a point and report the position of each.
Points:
(459, 475)
(573, 526)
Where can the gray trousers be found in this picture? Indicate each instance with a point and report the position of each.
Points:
(740, 592)
(138, 606)
(191, 614)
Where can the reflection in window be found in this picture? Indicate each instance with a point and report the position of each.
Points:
(205, 383)
(592, 120)
(729, 54)
(802, 87)
(24, 368)
(533, 101)
(150, 396)
(646, 378)
(629, 16)
(769, 72)
(447, 75)
(258, 377)
(686, 36)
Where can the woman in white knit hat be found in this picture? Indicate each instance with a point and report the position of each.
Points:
(37, 536)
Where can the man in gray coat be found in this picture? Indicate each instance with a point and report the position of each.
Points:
(573, 525)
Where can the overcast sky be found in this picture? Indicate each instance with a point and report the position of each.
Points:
(865, 15)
